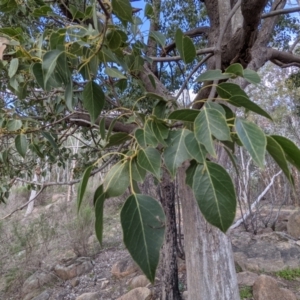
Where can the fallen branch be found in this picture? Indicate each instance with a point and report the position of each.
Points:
(254, 204)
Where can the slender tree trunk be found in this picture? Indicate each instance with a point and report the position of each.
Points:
(210, 266)
(170, 288)
(32, 195)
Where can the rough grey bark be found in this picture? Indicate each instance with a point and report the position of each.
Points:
(170, 288)
(209, 259)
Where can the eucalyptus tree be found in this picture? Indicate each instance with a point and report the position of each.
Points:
(87, 67)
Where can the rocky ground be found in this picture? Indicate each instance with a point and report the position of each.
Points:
(268, 263)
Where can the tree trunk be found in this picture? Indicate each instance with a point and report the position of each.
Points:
(170, 288)
(32, 196)
(210, 266)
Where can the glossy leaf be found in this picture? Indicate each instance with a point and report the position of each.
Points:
(149, 159)
(69, 96)
(189, 174)
(140, 138)
(14, 125)
(245, 102)
(291, 151)
(138, 173)
(13, 67)
(49, 63)
(21, 144)
(99, 199)
(149, 13)
(227, 89)
(253, 139)
(158, 37)
(116, 180)
(82, 186)
(176, 152)
(194, 148)
(251, 76)
(143, 224)
(102, 128)
(187, 115)
(160, 131)
(122, 9)
(185, 47)
(150, 138)
(214, 105)
(115, 73)
(118, 138)
(212, 75)
(93, 99)
(215, 195)
(236, 69)
(210, 122)
(276, 151)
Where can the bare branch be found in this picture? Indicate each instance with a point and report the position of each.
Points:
(176, 58)
(281, 12)
(283, 59)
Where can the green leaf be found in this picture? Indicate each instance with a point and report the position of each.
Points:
(210, 122)
(195, 149)
(143, 220)
(236, 69)
(149, 159)
(14, 125)
(212, 75)
(185, 115)
(13, 67)
(227, 89)
(49, 63)
(176, 153)
(102, 128)
(42, 11)
(69, 96)
(149, 12)
(189, 174)
(114, 39)
(116, 180)
(291, 151)
(82, 186)
(155, 96)
(99, 198)
(159, 109)
(122, 9)
(39, 76)
(214, 105)
(138, 174)
(160, 131)
(118, 138)
(244, 101)
(115, 73)
(159, 38)
(276, 151)
(51, 140)
(185, 47)
(93, 99)
(140, 138)
(251, 76)
(150, 138)
(215, 195)
(21, 144)
(253, 139)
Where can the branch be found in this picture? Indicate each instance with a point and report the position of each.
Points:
(247, 214)
(280, 12)
(176, 58)
(191, 33)
(283, 59)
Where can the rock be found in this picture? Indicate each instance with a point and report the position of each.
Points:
(73, 268)
(293, 225)
(89, 296)
(43, 296)
(139, 281)
(104, 284)
(124, 267)
(185, 295)
(266, 288)
(140, 293)
(33, 284)
(246, 278)
(74, 282)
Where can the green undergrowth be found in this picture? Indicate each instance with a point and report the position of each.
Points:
(289, 274)
(246, 292)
